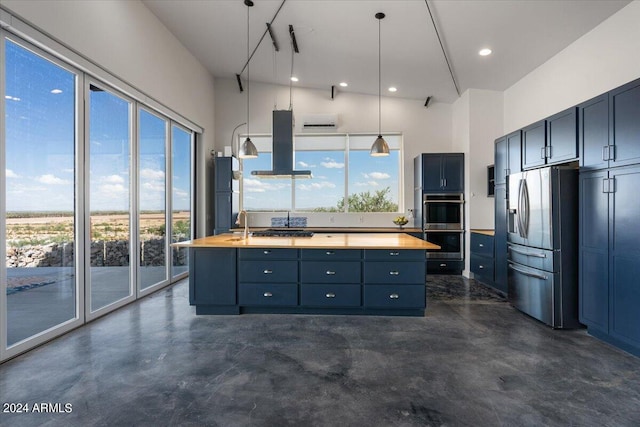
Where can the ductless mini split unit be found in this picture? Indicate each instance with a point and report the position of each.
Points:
(319, 122)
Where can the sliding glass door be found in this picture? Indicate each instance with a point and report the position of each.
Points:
(109, 203)
(40, 282)
(182, 172)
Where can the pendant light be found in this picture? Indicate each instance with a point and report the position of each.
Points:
(248, 150)
(380, 146)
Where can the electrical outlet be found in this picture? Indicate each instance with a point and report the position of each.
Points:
(332, 219)
(361, 219)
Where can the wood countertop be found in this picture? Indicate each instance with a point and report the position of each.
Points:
(317, 241)
(342, 229)
(483, 231)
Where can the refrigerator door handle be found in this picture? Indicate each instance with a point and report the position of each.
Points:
(526, 211)
(527, 273)
(532, 254)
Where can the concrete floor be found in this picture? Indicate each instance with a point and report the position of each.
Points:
(471, 361)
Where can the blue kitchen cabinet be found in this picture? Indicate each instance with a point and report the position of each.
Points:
(500, 239)
(624, 132)
(330, 278)
(562, 137)
(226, 195)
(610, 255)
(212, 276)
(534, 142)
(593, 133)
(482, 257)
(441, 172)
(507, 159)
(268, 277)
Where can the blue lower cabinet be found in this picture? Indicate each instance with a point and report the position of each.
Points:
(268, 271)
(268, 294)
(388, 272)
(394, 255)
(335, 295)
(395, 296)
(330, 272)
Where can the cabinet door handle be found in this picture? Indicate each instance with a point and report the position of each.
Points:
(267, 295)
(330, 295)
(394, 296)
(605, 153)
(481, 245)
(612, 152)
(268, 271)
(330, 273)
(394, 273)
(481, 267)
(543, 153)
(443, 265)
(394, 253)
(549, 152)
(330, 252)
(444, 182)
(266, 252)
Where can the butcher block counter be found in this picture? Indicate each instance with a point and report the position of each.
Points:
(342, 273)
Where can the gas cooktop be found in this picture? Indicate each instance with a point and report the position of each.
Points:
(271, 232)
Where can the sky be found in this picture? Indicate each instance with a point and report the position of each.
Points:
(40, 143)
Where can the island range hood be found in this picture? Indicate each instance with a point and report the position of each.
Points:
(282, 155)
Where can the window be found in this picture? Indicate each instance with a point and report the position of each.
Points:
(345, 177)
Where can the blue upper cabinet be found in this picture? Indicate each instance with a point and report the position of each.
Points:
(534, 145)
(593, 132)
(562, 137)
(442, 172)
(624, 116)
(507, 156)
(500, 160)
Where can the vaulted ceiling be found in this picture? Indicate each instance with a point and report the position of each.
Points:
(338, 40)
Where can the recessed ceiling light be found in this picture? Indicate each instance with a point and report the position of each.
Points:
(294, 79)
(393, 89)
(56, 91)
(484, 52)
(344, 84)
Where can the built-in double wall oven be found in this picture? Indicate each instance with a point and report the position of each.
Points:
(443, 224)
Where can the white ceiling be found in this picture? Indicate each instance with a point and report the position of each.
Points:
(338, 40)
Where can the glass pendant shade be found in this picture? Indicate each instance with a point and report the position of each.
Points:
(249, 151)
(379, 147)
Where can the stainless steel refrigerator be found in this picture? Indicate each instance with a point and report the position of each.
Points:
(543, 245)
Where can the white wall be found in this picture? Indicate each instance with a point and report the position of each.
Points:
(477, 120)
(604, 58)
(126, 39)
(424, 129)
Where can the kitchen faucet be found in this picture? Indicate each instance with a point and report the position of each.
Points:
(246, 223)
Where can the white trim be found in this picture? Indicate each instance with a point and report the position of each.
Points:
(59, 50)
(3, 202)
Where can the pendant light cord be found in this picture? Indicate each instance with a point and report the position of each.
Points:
(248, 60)
(379, 82)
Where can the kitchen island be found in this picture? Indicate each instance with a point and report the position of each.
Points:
(343, 273)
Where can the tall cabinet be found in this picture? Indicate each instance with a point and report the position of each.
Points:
(227, 193)
(609, 138)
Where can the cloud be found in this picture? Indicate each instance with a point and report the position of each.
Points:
(11, 174)
(332, 164)
(180, 193)
(305, 164)
(112, 179)
(50, 179)
(367, 184)
(113, 189)
(152, 174)
(260, 186)
(68, 170)
(316, 185)
(377, 175)
(151, 186)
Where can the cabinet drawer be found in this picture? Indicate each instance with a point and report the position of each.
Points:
(395, 296)
(282, 294)
(268, 271)
(437, 266)
(267, 253)
(331, 254)
(330, 295)
(330, 271)
(394, 254)
(482, 266)
(482, 244)
(387, 272)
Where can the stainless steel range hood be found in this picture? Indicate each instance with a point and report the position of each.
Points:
(282, 155)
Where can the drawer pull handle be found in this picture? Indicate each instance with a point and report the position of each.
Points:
(266, 252)
(443, 265)
(268, 271)
(330, 295)
(330, 273)
(481, 245)
(481, 267)
(330, 252)
(394, 253)
(394, 296)
(394, 273)
(267, 294)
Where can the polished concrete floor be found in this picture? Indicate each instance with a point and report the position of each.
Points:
(471, 361)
